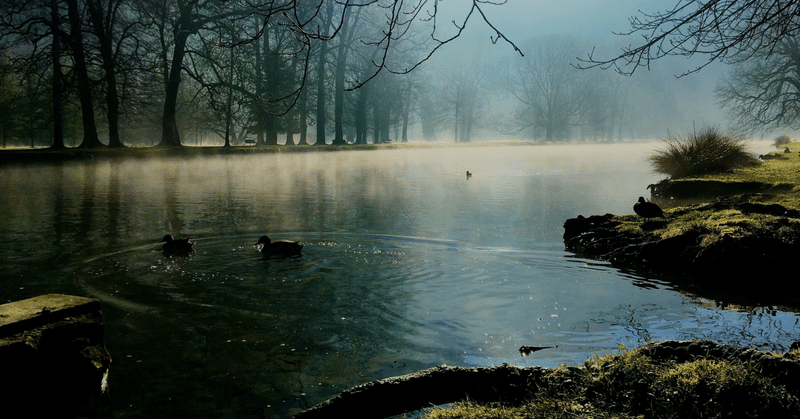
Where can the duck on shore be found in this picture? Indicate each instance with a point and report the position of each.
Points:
(173, 246)
(279, 247)
(648, 209)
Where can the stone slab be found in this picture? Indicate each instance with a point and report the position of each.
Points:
(18, 316)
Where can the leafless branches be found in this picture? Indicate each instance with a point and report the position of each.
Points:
(720, 30)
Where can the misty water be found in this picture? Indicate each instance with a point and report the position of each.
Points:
(407, 264)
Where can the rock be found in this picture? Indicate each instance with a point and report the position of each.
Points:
(53, 358)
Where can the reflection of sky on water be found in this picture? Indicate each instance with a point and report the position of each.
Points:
(407, 265)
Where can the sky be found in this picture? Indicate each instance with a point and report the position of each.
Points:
(580, 17)
(594, 23)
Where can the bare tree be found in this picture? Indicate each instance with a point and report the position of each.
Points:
(545, 84)
(76, 42)
(463, 94)
(764, 92)
(720, 30)
(168, 37)
(112, 30)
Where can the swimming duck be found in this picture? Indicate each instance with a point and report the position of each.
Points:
(648, 209)
(469, 175)
(173, 246)
(527, 350)
(279, 247)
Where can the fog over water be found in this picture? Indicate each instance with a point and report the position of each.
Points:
(407, 264)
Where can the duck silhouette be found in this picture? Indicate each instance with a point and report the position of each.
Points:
(279, 247)
(527, 350)
(648, 209)
(173, 246)
(469, 174)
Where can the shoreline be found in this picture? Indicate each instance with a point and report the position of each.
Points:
(721, 233)
(23, 155)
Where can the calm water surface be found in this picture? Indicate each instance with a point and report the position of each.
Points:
(408, 264)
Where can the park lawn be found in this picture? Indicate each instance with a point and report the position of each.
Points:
(782, 170)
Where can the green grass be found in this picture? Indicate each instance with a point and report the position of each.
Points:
(699, 154)
(783, 170)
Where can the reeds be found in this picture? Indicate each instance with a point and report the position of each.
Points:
(699, 154)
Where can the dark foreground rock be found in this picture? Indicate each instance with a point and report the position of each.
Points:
(768, 251)
(53, 360)
(514, 386)
(434, 386)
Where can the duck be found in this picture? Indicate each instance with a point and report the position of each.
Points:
(279, 247)
(527, 350)
(648, 209)
(173, 246)
(469, 174)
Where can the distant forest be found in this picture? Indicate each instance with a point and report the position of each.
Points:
(206, 72)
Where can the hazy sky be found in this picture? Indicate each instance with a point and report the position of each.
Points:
(523, 20)
(530, 18)
(592, 23)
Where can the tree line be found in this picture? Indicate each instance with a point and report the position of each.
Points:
(160, 71)
(172, 72)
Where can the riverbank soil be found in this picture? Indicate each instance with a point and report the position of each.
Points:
(748, 238)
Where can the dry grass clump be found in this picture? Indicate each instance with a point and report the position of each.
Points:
(700, 154)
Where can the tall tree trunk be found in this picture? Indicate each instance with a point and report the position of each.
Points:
(58, 83)
(270, 79)
(321, 99)
(338, 91)
(302, 123)
(361, 114)
(321, 61)
(229, 102)
(90, 138)
(455, 125)
(169, 123)
(376, 121)
(291, 116)
(105, 39)
(406, 118)
(258, 110)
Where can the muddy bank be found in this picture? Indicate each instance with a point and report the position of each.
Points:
(732, 250)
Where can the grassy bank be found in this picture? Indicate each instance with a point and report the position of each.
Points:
(782, 171)
(650, 382)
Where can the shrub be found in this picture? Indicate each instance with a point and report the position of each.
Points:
(708, 152)
(782, 141)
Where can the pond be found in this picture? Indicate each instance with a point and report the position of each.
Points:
(408, 263)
